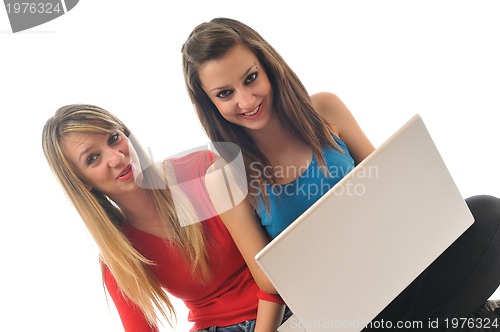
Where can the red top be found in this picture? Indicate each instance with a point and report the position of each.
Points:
(230, 296)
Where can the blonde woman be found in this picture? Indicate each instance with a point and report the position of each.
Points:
(150, 240)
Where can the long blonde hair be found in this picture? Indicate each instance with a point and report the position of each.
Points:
(291, 101)
(103, 218)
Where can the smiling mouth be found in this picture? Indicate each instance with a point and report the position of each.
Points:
(125, 171)
(252, 112)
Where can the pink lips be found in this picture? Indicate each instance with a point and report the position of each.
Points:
(126, 173)
(253, 116)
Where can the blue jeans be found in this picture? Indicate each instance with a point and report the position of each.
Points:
(246, 326)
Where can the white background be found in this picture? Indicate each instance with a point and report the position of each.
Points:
(387, 60)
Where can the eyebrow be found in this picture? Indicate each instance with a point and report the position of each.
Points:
(84, 152)
(242, 77)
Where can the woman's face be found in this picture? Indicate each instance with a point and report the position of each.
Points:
(239, 87)
(103, 161)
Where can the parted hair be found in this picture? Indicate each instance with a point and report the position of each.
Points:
(291, 102)
(103, 218)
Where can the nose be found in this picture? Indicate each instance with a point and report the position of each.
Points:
(246, 100)
(116, 158)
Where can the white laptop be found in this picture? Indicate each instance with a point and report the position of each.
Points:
(352, 252)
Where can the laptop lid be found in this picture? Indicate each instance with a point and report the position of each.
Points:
(355, 249)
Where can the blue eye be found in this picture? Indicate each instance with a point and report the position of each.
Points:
(92, 159)
(113, 138)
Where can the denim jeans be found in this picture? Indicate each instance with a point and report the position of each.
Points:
(246, 326)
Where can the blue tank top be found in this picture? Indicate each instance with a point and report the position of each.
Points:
(288, 201)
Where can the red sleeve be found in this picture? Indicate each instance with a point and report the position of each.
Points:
(131, 316)
(261, 295)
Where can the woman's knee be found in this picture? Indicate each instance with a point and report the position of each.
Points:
(484, 208)
(486, 212)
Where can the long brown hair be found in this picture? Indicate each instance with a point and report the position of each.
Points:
(103, 218)
(291, 102)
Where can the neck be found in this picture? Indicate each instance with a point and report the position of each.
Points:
(139, 212)
(275, 141)
(272, 138)
(137, 208)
